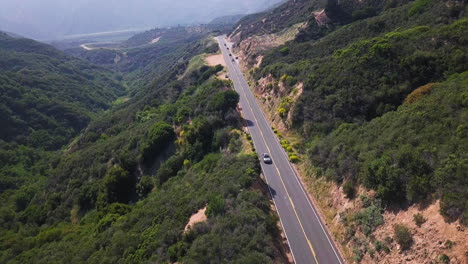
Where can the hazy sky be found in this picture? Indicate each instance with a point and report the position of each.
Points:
(47, 19)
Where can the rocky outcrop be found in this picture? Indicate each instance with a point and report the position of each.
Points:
(250, 49)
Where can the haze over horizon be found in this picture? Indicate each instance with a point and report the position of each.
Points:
(52, 19)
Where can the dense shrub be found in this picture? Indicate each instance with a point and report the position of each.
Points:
(216, 206)
(223, 101)
(48, 97)
(369, 218)
(418, 6)
(403, 236)
(284, 50)
(294, 158)
(364, 13)
(406, 155)
(160, 135)
(419, 219)
(169, 168)
(444, 258)
(117, 186)
(349, 189)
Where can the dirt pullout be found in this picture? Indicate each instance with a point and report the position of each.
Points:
(217, 59)
(213, 60)
(198, 217)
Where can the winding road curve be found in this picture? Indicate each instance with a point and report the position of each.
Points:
(308, 239)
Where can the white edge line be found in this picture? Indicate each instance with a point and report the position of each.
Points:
(302, 188)
(269, 188)
(314, 210)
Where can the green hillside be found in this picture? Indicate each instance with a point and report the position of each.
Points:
(356, 78)
(48, 97)
(413, 153)
(105, 156)
(373, 96)
(125, 187)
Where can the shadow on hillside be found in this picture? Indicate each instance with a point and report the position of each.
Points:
(397, 207)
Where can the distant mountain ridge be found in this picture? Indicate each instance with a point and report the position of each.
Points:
(13, 35)
(226, 20)
(52, 19)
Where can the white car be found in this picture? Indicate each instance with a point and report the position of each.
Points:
(267, 158)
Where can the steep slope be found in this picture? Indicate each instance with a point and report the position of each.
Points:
(125, 188)
(301, 21)
(366, 78)
(275, 20)
(415, 153)
(341, 83)
(47, 96)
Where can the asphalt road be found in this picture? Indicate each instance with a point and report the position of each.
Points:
(306, 234)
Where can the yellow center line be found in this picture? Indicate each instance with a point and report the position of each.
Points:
(282, 181)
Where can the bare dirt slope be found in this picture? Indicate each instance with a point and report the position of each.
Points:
(198, 217)
(434, 238)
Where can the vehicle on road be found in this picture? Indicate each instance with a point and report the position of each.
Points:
(230, 54)
(232, 60)
(282, 182)
(237, 58)
(266, 158)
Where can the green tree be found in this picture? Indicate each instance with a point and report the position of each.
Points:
(225, 100)
(349, 189)
(284, 51)
(145, 185)
(419, 219)
(160, 135)
(216, 206)
(117, 185)
(382, 174)
(403, 236)
(170, 168)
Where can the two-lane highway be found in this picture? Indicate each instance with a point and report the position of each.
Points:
(308, 239)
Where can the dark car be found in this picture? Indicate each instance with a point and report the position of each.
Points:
(266, 158)
(230, 54)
